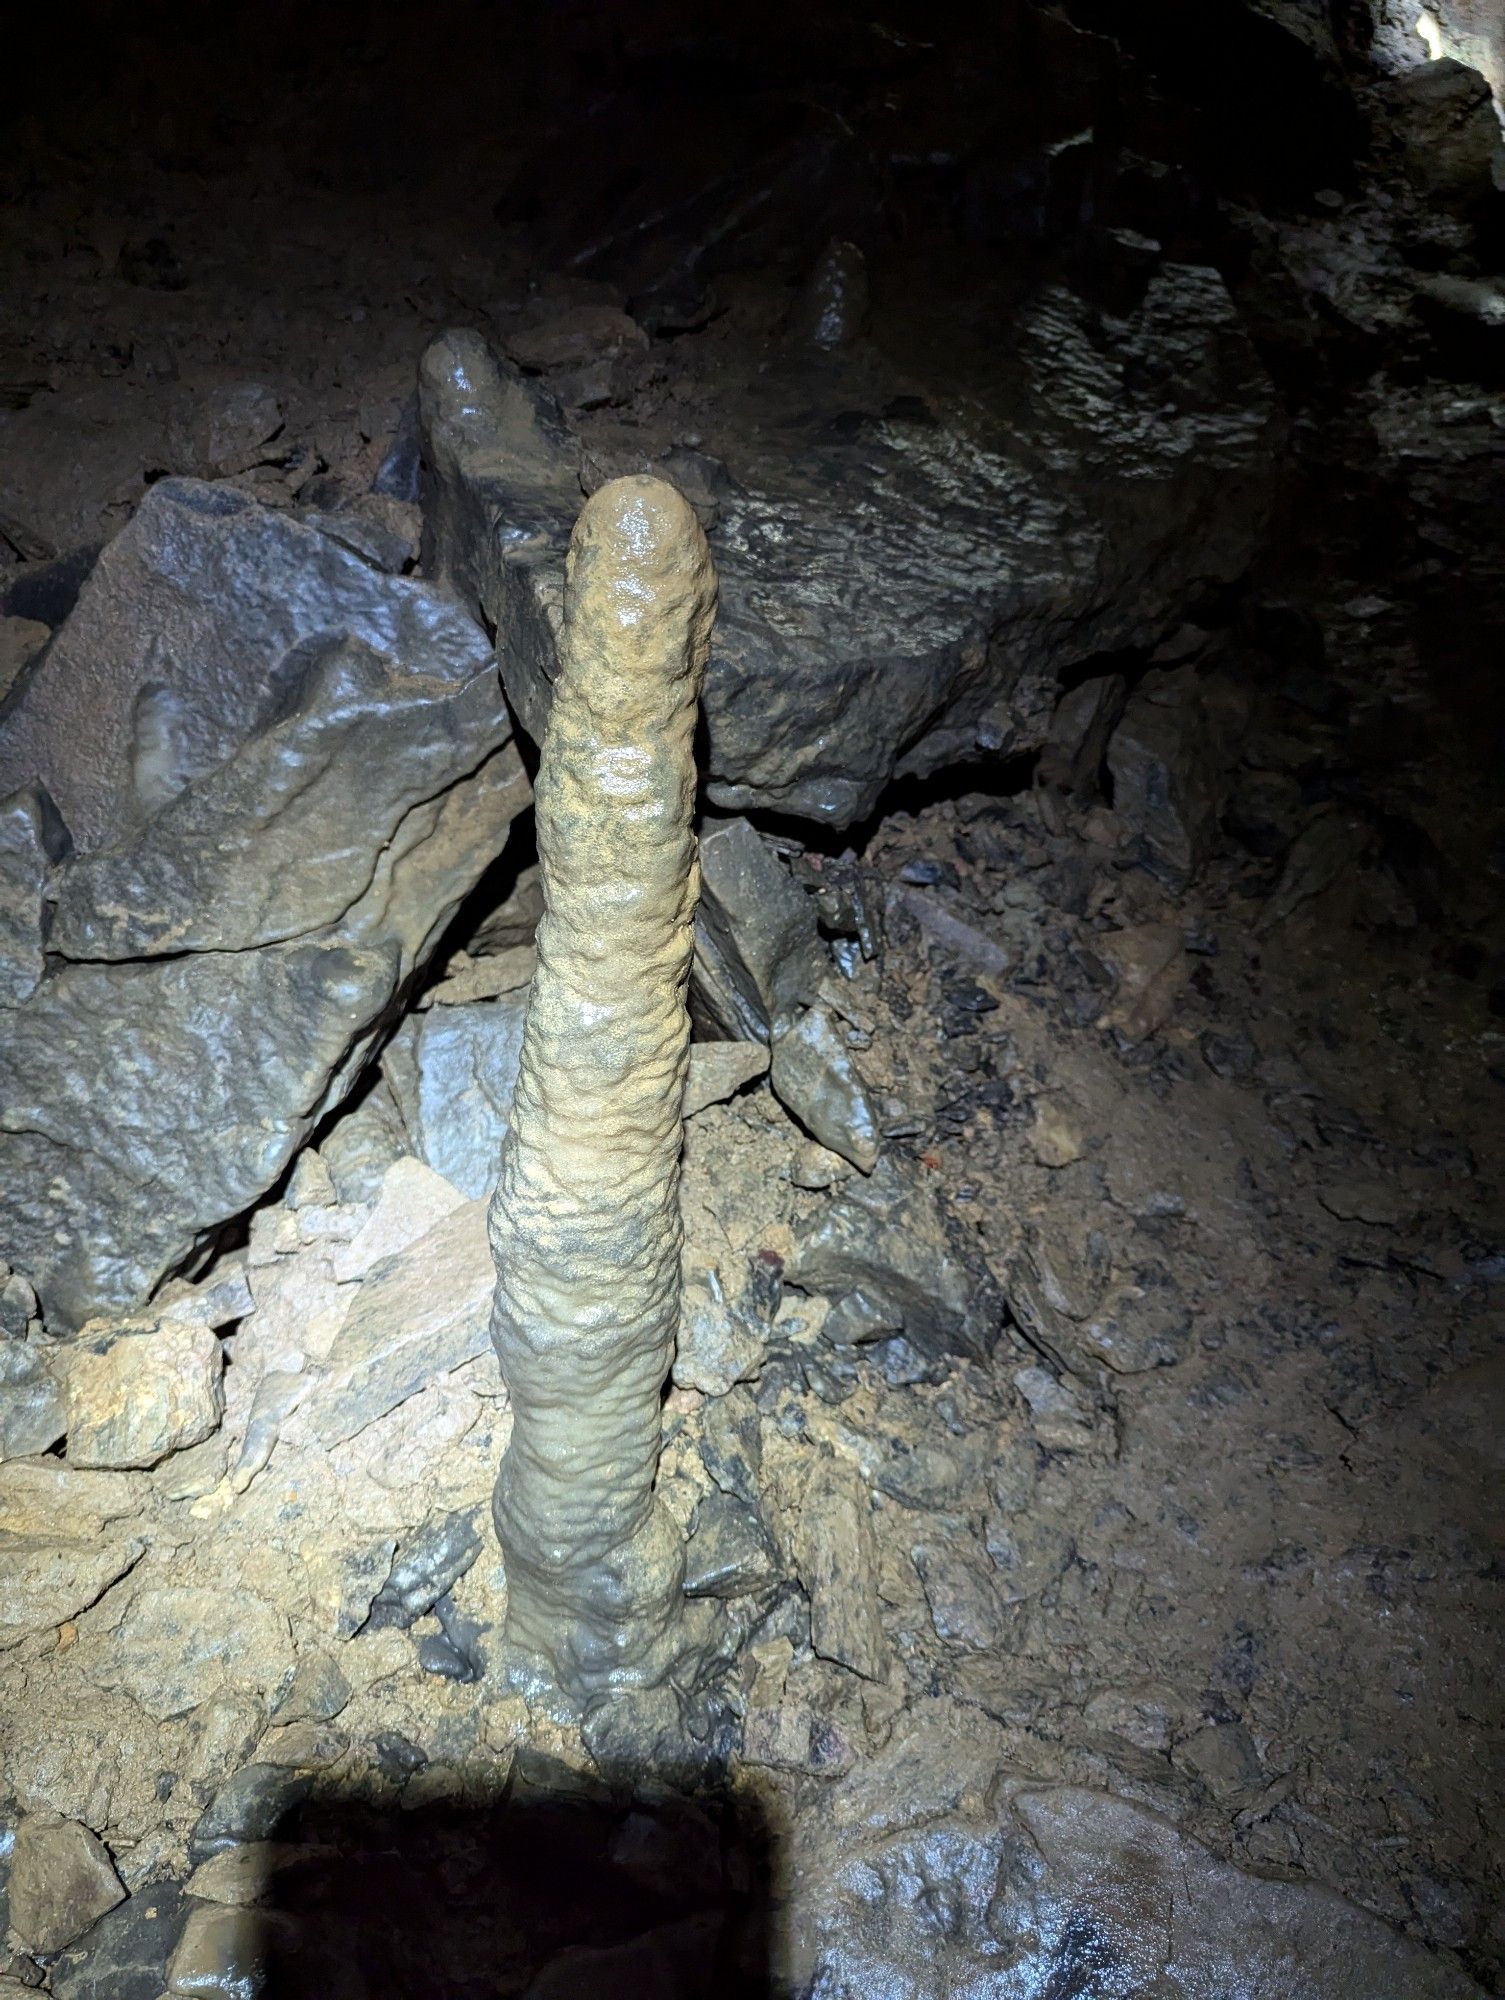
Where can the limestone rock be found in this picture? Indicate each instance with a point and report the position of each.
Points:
(1065, 1884)
(44, 1580)
(758, 955)
(33, 1413)
(718, 1070)
(838, 1565)
(890, 1237)
(729, 1553)
(224, 1951)
(1148, 962)
(900, 594)
(452, 1071)
(412, 1201)
(177, 1645)
(37, 1495)
(1061, 1418)
(249, 1806)
(61, 1882)
(961, 1592)
(421, 1315)
(134, 1396)
(33, 841)
(282, 772)
(719, 1345)
(236, 1876)
(428, 1564)
(813, 1075)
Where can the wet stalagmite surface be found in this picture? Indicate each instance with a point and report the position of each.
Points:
(1080, 1433)
(586, 1228)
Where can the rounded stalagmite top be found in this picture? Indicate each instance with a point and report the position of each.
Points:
(638, 556)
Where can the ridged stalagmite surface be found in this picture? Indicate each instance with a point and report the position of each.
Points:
(585, 1222)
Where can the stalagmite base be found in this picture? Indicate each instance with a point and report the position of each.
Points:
(585, 1225)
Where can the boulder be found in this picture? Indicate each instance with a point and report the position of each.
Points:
(281, 773)
(898, 592)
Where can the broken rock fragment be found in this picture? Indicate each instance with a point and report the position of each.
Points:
(891, 1238)
(813, 1075)
(281, 772)
(61, 1882)
(137, 1393)
(44, 1580)
(758, 955)
(838, 1564)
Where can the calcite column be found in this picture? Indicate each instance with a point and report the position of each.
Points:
(585, 1224)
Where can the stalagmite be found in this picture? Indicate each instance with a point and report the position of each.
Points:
(585, 1225)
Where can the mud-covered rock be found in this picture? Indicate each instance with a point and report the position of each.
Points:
(891, 1238)
(45, 1580)
(719, 1344)
(282, 772)
(33, 1410)
(61, 1882)
(899, 594)
(718, 1070)
(838, 1566)
(731, 1445)
(175, 1646)
(729, 1553)
(137, 1393)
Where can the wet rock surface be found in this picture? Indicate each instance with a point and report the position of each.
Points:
(932, 646)
(292, 770)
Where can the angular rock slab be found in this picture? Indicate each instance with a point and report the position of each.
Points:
(282, 773)
(61, 1882)
(897, 595)
(890, 1242)
(177, 1646)
(1071, 1891)
(452, 1071)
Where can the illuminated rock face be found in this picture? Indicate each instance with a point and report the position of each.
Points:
(585, 1223)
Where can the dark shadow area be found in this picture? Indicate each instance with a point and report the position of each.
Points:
(558, 1889)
